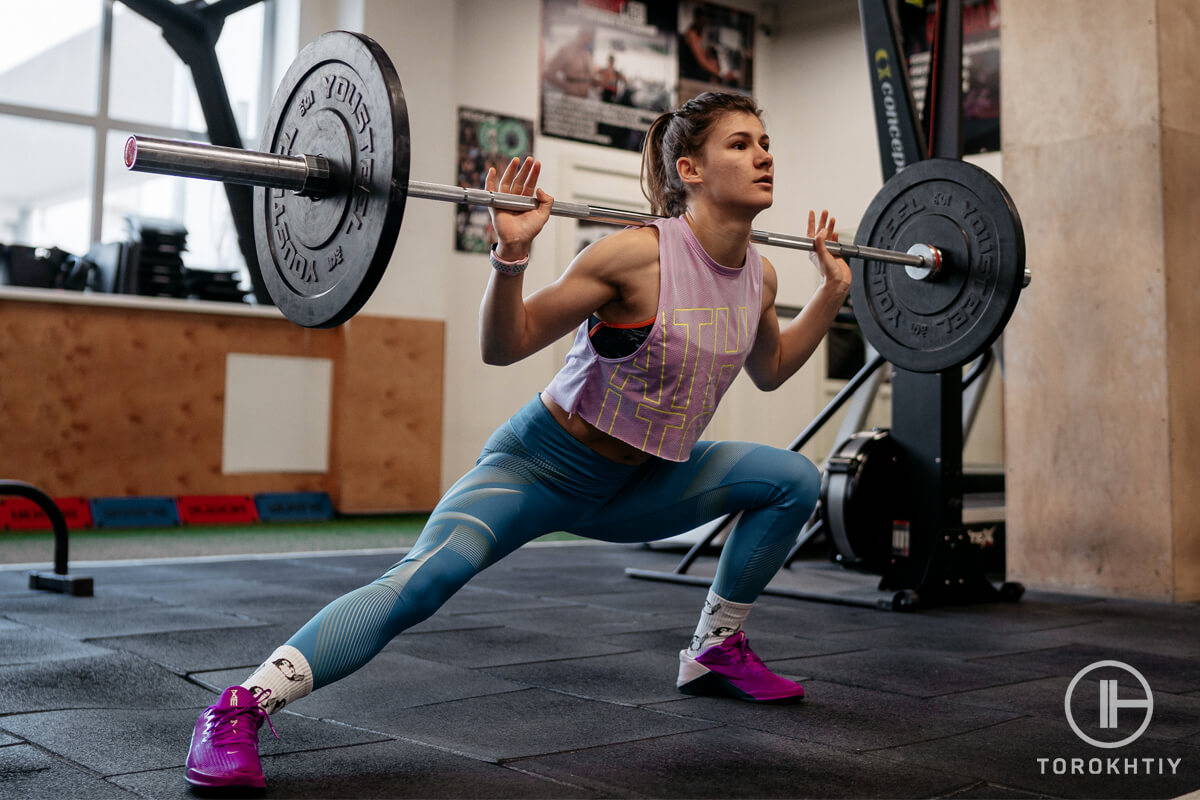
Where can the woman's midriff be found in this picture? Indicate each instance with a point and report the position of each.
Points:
(595, 439)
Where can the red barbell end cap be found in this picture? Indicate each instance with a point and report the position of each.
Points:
(130, 152)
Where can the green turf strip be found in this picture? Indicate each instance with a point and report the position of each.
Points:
(349, 533)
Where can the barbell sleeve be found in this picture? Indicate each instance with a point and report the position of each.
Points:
(311, 176)
(307, 175)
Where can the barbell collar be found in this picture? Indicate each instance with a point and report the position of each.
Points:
(311, 176)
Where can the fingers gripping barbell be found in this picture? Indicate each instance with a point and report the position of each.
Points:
(331, 192)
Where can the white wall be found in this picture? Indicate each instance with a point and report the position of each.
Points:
(812, 81)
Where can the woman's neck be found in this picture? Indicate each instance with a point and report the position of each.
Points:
(724, 238)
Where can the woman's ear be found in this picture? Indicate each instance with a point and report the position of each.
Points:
(689, 170)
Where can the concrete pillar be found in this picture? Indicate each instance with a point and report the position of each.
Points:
(1101, 146)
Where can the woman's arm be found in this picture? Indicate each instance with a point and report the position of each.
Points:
(511, 326)
(777, 354)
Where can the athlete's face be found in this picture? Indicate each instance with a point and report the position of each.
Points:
(735, 167)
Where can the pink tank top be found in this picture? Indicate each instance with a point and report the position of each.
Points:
(660, 398)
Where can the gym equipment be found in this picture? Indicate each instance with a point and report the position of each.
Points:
(929, 325)
(59, 580)
(330, 197)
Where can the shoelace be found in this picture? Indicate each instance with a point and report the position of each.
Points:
(745, 654)
(222, 730)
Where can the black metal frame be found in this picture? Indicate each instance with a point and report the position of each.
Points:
(192, 30)
(59, 580)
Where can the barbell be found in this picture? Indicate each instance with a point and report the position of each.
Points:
(331, 190)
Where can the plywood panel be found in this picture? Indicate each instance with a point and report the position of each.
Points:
(118, 402)
(388, 414)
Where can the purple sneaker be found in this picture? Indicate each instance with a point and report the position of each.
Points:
(732, 669)
(224, 750)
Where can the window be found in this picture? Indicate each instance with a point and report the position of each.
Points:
(76, 78)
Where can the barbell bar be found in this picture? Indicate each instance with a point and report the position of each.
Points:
(311, 176)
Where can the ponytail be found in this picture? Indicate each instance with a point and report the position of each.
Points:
(667, 197)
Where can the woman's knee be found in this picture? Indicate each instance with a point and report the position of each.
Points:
(797, 481)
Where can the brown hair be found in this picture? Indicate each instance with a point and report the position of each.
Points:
(682, 133)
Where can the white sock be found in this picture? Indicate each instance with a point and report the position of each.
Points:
(285, 674)
(719, 620)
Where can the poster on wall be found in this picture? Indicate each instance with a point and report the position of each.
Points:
(716, 49)
(608, 69)
(981, 65)
(485, 139)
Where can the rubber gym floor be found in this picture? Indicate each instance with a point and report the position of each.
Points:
(552, 675)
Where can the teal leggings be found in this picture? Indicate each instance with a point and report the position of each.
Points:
(534, 478)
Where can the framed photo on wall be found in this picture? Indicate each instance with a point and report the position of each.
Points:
(485, 139)
(607, 69)
(716, 49)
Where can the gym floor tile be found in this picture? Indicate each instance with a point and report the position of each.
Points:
(1174, 716)
(1008, 754)
(932, 703)
(575, 621)
(473, 599)
(906, 671)
(845, 717)
(15, 582)
(1031, 613)
(769, 645)
(1169, 637)
(952, 639)
(1164, 673)
(493, 647)
(654, 599)
(29, 774)
(106, 599)
(629, 678)
(137, 575)
(531, 722)
(390, 681)
(83, 621)
(537, 583)
(23, 645)
(373, 564)
(205, 648)
(111, 680)
(232, 595)
(817, 619)
(734, 762)
(101, 740)
(991, 791)
(381, 770)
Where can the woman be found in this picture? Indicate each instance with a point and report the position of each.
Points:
(666, 315)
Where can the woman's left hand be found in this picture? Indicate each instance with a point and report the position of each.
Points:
(835, 272)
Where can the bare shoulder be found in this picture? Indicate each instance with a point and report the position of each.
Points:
(770, 278)
(620, 252)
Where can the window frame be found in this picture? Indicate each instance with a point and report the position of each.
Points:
(101, 123)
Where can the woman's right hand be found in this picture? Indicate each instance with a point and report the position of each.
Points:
(515, 230)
